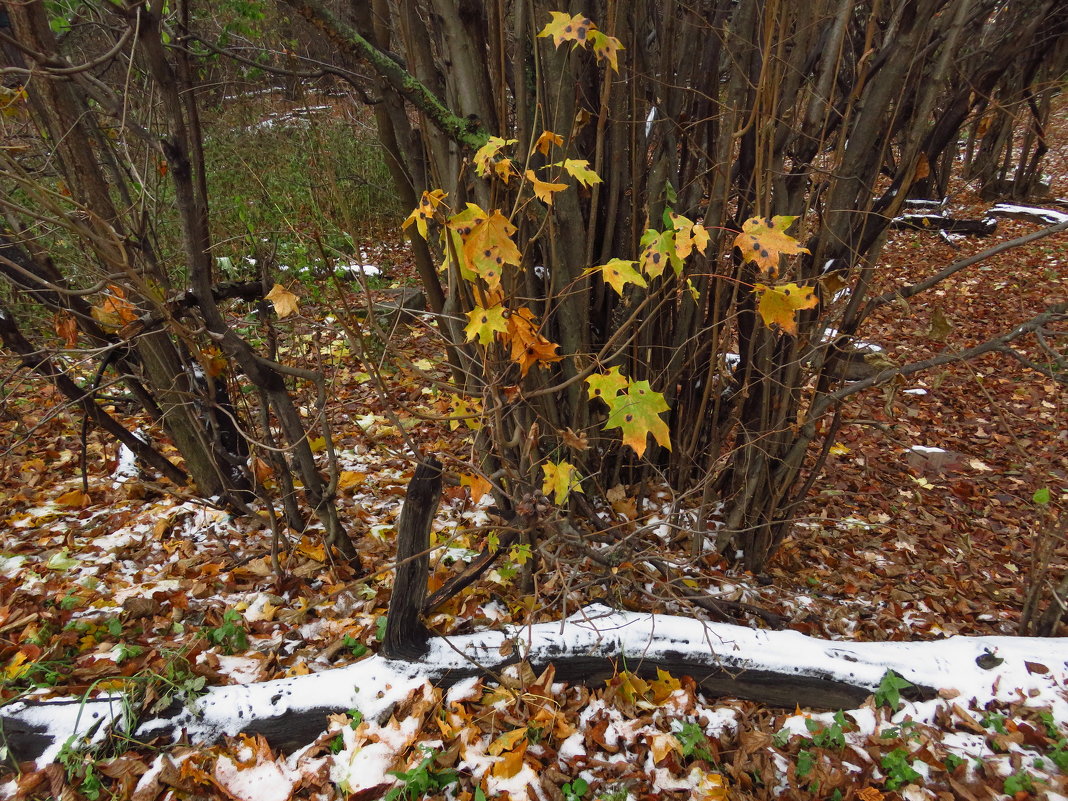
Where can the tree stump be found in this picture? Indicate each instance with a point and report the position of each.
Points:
(406, 637)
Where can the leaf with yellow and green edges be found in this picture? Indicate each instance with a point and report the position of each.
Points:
(618, 273)
(547, 140)
(459, 227)
(565, 28)
(762, 241)
(779, 304)
(485, 323)
(605, 48)
(606, 385)
(637, 413)
(544, 189)
(425, 211)
(560, 479)
(658, 252)
(487, 155)
(580, 170)
(468, 412)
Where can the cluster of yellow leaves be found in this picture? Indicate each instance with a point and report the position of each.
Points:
(763, 241)
(673, 246)
(481, 245)
(581, 30)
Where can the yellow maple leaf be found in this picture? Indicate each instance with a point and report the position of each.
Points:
(466, 412)
(618, 273)
(779, 304)
(285, 302)
(580, 170)
(762, 241)
(565, 28)
(487, 154)
(544, 190)
(528, 346)
(606, 385)
(484, 324)
(560, 478)
(425, 211)
(637, 412)
(488, 246)
(547, 140)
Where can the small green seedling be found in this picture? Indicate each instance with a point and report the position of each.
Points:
(889, 690)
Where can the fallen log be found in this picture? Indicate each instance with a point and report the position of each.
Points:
(778, 668)
(951, 225)
(1029, 213)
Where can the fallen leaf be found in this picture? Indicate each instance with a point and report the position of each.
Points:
(284, 301)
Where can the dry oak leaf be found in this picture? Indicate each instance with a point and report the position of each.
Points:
(779, 304)
(285, 302)
(66, 326)
(763, 240)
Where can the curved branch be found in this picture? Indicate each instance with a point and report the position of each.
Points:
(463, 131)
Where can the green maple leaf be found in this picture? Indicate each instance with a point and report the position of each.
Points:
(618, 273)
(607, 385)
(579, 169)
(565, 28)
(637, 413)
(485, 323)
(606, 48)
(560, 478)
(779, 304)
(659, 250)
(762, 241)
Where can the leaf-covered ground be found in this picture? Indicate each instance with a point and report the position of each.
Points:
(132, 586)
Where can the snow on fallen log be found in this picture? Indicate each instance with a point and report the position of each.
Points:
(778, 668)
(1032, 213)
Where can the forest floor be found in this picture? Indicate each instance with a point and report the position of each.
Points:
(120, 584)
